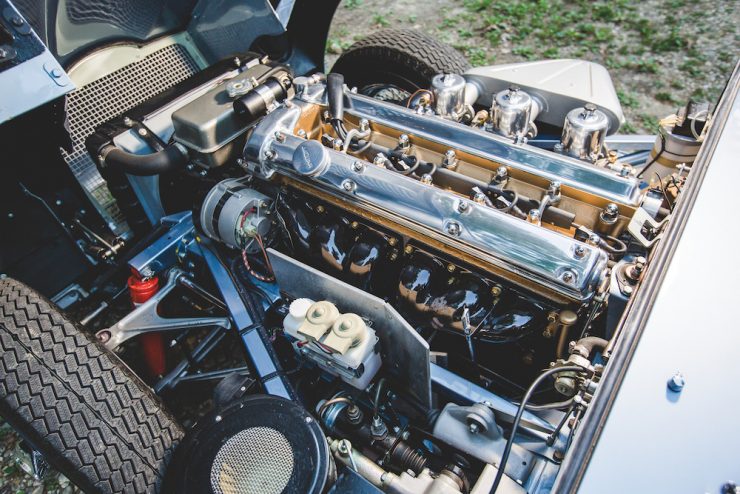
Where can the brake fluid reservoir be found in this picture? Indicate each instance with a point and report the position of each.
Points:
(341, 344)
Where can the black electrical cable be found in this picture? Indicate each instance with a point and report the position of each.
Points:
(518, 418)
(657, 155)
(376, 401)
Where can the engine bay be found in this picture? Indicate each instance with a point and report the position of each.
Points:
(429, 287)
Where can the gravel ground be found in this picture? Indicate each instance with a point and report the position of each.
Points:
(660, 53)
(14, 480)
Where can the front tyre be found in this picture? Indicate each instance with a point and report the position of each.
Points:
(92, 418)
(396, 62)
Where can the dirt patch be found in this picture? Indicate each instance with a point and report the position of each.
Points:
(660, 53)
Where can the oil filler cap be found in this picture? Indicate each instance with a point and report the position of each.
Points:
(310, 158)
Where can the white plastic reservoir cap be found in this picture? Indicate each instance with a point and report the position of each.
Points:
(299, 307)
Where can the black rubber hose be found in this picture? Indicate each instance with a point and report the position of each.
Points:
(143, 165)
(518, 418)
(335, 95)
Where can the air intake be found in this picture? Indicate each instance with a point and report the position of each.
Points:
(259, 445)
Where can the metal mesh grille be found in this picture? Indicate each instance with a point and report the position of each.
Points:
(258, 460)
(110, 96)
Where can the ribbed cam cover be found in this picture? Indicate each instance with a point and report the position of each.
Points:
(544, 257)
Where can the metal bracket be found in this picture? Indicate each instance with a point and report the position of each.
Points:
(145, 319)
(639, 220)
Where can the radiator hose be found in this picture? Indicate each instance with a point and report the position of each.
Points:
(171, 157)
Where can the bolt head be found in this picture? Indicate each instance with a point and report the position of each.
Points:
(463, 206)
(349, 185)
(426, 179)
(453, 228)
(473, 428)
(580, 251)
(358, 166)
(403, 139)
(142, 132)
(676, 382)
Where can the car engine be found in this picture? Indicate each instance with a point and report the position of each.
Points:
(419, 261)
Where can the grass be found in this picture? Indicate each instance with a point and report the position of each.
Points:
(659, 52)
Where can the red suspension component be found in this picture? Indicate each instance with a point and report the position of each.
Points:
(152, 343)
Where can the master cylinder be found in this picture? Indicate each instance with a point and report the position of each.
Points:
(341, 344)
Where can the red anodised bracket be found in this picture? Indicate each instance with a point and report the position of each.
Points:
(152, 343)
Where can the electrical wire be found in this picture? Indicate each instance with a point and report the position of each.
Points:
(376, 401)
(518, 418)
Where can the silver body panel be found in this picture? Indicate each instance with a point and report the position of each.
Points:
(541, 256)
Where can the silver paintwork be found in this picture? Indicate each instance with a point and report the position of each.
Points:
(32, 83)
(405, 353)
(145, 318)
(449, 95)
(546, 164)
(584, 132)
(542, 256)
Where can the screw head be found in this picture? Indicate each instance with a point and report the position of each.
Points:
(676, 382)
